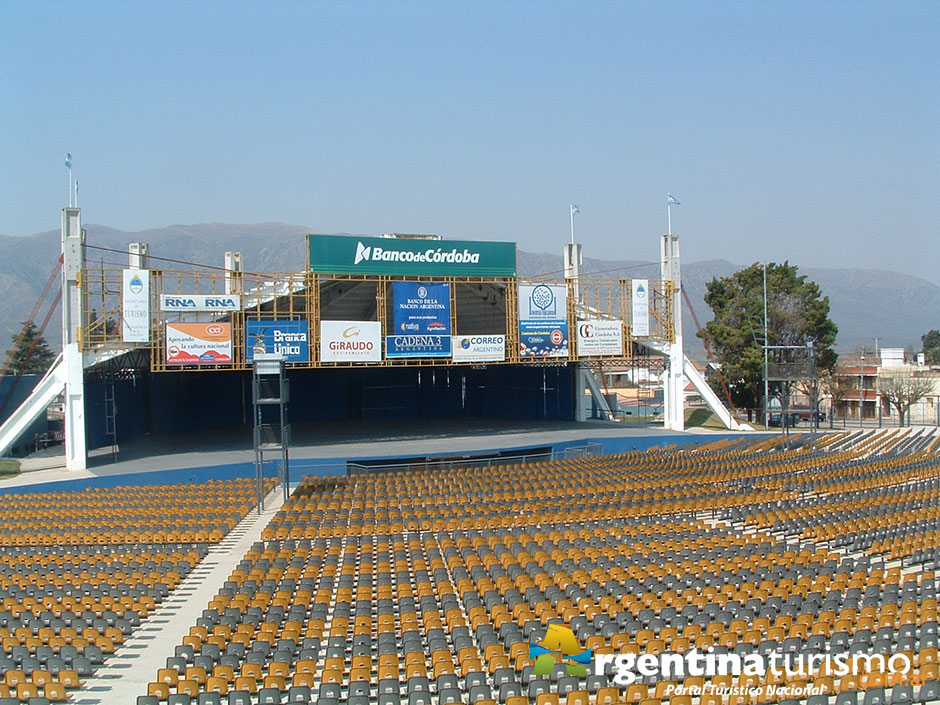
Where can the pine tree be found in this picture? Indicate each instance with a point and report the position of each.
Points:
(27, 363)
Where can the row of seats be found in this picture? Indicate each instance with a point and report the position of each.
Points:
(73, 588)
(429, 586)
(185, 513)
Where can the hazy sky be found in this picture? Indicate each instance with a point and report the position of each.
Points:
(807, 131)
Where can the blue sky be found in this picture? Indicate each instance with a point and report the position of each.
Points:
(805, 131)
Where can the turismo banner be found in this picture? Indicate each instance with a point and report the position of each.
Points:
(543, 320)
(419, 257)
(421, 320)
(600, 338)
(200, 302)
(135, 306)
(350, 341)
(640, 318)
(478, 348)
(288, 339)
(199, 343)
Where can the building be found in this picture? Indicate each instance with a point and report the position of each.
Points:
(858, 379)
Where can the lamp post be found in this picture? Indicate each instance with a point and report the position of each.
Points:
(766, 359)
(861, 389)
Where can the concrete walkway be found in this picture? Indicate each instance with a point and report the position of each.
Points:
(127, 672)
(330, 441)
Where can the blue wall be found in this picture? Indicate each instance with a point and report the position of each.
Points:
(199, 401)
(331, 466)
(21, 389)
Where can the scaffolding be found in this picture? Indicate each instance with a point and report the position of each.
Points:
(478, 306)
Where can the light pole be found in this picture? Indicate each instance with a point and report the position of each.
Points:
(861, 389)
(766, 384)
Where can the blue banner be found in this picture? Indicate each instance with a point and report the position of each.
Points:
(421, 321)
(286, 338)
(543, 321)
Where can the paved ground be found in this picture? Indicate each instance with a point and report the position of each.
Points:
(125, 675)
(340, 441)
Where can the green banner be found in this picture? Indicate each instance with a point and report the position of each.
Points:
(339, 254)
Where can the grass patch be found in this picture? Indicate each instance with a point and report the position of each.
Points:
(9, 468)
(702, 418)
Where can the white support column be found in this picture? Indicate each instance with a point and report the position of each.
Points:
(233, 273)
(73, 261)
(139, 257)
(587, 380)
(673, 379)
(573, 271)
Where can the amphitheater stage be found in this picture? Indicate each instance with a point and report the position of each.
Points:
(326, 447)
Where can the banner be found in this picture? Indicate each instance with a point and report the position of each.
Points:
(199, 343)
(200, 302)
(421, 320)
(600, 338)
(478, 348)
(135, 306)
(288, 339)
(543, 320)
(417, 346)
(350, 341)
(419, 257)
(640, 318)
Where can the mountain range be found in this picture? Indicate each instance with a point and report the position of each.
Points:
(896, 308)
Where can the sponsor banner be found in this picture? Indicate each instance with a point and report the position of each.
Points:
(384, 255)
(200, 302)
(135, 306)
(199, 343)
(543, 320)
(287, 339)
(350, 341)
(421, 308)
(478, 348)
(600, 338)
(640, 313)
(417, 346)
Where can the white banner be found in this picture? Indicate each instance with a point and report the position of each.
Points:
(600, 338)
(135, 306)
(640, 323)
(200, 302)
(478, 348)
(198, 343)
(350, 341)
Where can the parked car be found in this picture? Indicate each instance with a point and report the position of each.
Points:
(793, 418)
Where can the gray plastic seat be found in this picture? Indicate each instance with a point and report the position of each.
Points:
(359, 688)
(269, 696)
(299, 694)
(449, 695)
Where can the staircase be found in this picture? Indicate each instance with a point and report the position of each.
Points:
(44, 393)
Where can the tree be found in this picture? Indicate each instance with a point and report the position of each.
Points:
(931, 342)
(797, 314)
(838, 388)
(902, 392)
(31, 353)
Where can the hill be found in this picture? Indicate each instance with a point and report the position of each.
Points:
(896, 307)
